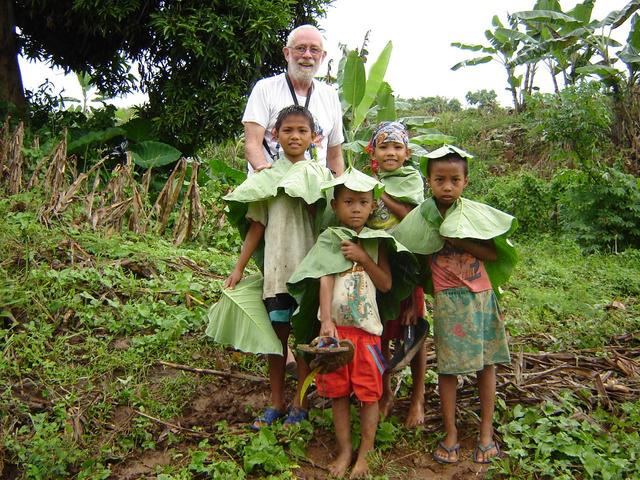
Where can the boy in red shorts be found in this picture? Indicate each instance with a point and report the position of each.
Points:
(348, 310)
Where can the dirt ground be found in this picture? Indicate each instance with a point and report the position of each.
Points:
(237, 401)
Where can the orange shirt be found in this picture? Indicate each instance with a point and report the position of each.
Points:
(455, 268)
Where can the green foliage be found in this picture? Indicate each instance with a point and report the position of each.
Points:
(562, 440)
(196, 59)
(428, 105)
(558, 289)
(577, 122)
(600, 208)
(483, 99)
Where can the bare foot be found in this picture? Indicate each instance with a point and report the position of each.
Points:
(339, 466)
(360, 469)
(385, 404)
(415, 416)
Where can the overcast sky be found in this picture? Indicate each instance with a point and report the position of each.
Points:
(421, 32)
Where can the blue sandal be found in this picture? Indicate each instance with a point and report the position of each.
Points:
(296, 415)
(269, 416)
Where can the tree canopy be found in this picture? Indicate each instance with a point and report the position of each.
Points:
(196, 59)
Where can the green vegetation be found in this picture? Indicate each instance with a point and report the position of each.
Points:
(109, 260)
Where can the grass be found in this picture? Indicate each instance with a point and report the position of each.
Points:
(85, 318)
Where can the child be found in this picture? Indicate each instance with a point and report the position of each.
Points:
(284, 220)
(404, 189)
(461, 235)
(343, 270)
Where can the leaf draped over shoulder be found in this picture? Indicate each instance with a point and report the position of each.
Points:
(405, 184)
(240, 319)
(303, 179)
(326, 258)
(423, 230)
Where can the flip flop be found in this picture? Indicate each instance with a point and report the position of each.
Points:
(269, 416)
(296, 415)
(412, 338)
(445, 461)
(485, 448)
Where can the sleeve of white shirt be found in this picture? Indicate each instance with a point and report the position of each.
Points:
(257, 109)
(336, 137)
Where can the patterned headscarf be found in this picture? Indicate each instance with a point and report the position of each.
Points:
(386, 132)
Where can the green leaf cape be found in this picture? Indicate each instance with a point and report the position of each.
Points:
(325, 258)
(404, 184)
(423, 229)
(240, 319)
(303, 179)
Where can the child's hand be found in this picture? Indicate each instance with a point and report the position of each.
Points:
(408, 317)
(232, 280)
(454, 242)
(328, 329)
(354, 252)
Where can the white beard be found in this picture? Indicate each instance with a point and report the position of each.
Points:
(301, 74)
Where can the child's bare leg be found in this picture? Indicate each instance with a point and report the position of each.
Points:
(386, 402)
(447, 385)
(415, 416)
(342, 426)
(276, 369)
(487, 391)
(303, 370)
(369, 415)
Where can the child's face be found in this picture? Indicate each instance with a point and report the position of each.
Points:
(294, 137)
(391, 155)
(447, 181)
(353, 208)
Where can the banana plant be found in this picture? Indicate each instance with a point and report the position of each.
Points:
(368, 99)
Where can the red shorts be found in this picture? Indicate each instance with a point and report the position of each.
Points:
(393, 328)
(363, 376)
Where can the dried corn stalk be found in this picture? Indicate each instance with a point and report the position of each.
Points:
(169, 195)
(191, 215)
(14, 161)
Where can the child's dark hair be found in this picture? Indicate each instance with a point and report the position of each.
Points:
(452, 158)
(292, 110)
(341, 187)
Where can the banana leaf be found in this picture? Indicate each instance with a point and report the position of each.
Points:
(423, 229)
(357, 181)
(405, 184)
(325, 258)
(240, 319)
(302, 179)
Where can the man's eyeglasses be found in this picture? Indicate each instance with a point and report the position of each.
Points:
(301, 49)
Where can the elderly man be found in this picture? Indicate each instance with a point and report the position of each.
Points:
(304, 54)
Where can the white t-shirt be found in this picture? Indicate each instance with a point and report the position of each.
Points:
(272, 94)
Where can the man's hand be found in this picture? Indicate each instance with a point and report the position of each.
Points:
(262, 166)
(232, 280)
(354, 252)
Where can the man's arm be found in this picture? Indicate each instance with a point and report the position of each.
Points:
(335, 163)
(253, 135)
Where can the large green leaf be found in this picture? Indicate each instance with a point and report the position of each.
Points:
(471, 62)
(353, 79)
(240, 319)
(154, 154)
(374, 80)
(418, 121)
(602, 71)
(433, 139)
(618, 17)
(633, 40)
(473, 47)
(139, 129)
(582, 11)
(386, 103)
(544, 16)
(99, 136)
(219, 168)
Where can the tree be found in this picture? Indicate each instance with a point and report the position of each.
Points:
(484, 99)
(196, 59)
